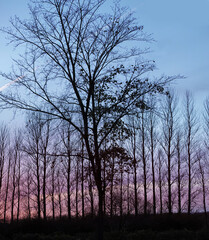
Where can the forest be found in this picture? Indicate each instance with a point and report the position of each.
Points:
(157, 162)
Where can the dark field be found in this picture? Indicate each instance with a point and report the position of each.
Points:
(141, 235)
(125, 228)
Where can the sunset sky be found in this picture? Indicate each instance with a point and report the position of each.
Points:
(180, 29)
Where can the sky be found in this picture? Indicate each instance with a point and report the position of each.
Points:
(180, 29)
(181, 32)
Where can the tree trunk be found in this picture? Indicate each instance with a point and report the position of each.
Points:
(191, 130)
(160, 183)
(59, 194)
(128, 194)
(169, 180)
(104, 177)
(121, 191)
(44, 189)
(179, 173)
(38, 185)
(82, 179)
(101, 215)
(18, 187)
(189, 177)
(28, 192)
(202, 174)
(91, 192)
(53, 189)
(111, 186)
(135, 174)
(153, 171)
(13, 190)
(2, 163)
(68, 187)
(144, 163)
(76, 191)
(7, 189)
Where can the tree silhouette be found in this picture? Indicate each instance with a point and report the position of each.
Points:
(77, 62)
(191, 130)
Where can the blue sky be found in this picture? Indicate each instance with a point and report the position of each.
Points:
(180, 29)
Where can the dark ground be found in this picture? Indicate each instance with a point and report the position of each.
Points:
(125, 228)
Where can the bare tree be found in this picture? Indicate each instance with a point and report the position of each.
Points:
(44, 145)
(91, 189)
(191, 130)
(133, 128)
(152, 122)
(52, 191)
(4, 133)
(179, 149)
(13, 185)
(160, 179)
(82, 178)
(128, 189)
(167, 143)
(19, 174)
(16, 174)
(7, 183)
(29, 180)
(66, 133)
(202, 173)
(32, 148)
(76, 175)
(206, 123)
(82, 49)
(203, 167)
(143, 155)
(123, 161)
(109, 157)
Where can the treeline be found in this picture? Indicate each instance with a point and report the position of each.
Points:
(156, 161)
